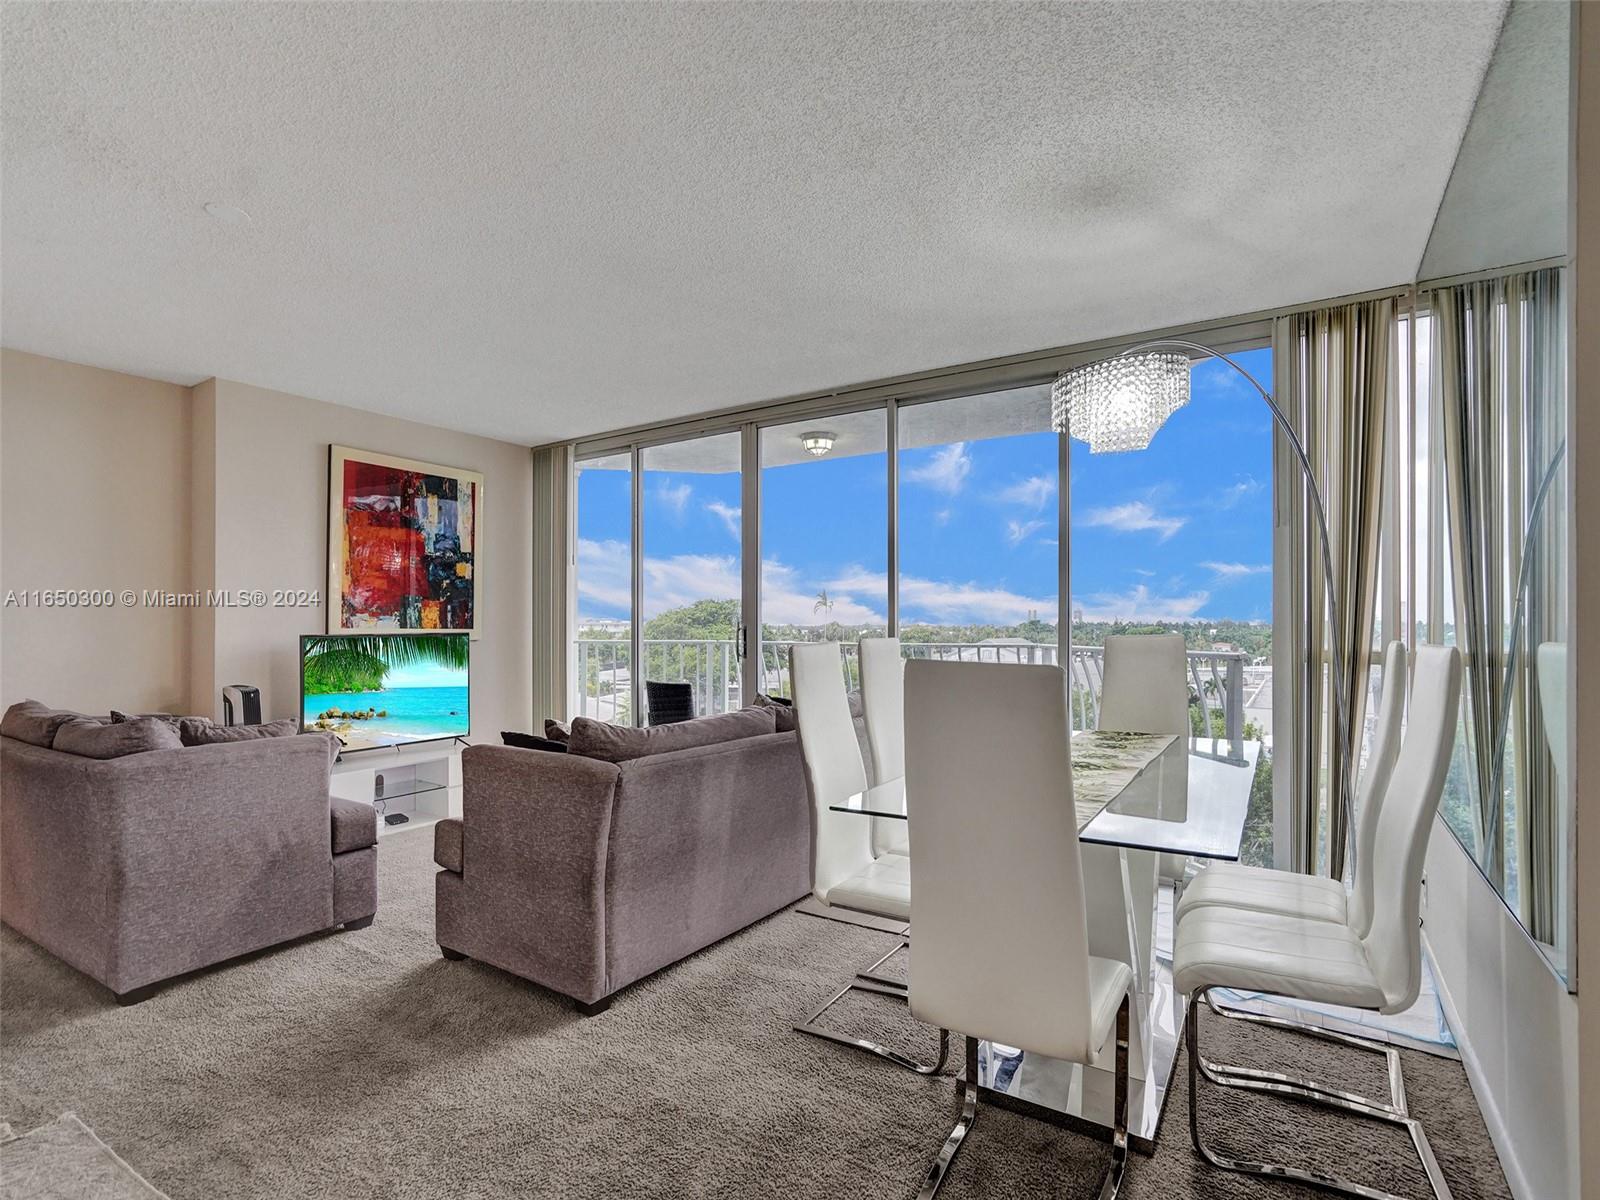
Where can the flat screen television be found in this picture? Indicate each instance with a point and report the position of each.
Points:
(390, 689)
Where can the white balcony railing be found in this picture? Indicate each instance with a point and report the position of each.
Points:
(605, 682)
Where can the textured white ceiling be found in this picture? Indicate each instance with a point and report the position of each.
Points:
(546, 220)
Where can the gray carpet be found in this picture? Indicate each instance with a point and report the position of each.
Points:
(362, 1064)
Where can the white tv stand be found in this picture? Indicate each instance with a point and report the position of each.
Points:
(423, 781)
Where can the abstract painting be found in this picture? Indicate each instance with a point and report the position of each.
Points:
(402, 543)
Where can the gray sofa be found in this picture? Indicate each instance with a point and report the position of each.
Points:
(139, 868)
(584, 875)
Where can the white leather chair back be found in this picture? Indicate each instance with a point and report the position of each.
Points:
(1375, 780)
(1552, 667)
(1144, 684)
(883, 703)
(1000, 948)
(841, 843)
(1405, 820)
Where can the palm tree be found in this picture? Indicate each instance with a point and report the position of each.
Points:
(360, 661)
(823, 604)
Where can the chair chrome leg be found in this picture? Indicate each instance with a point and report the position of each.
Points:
(1112, 1183)
(870, 974)
(958, 1135)
(1266, 1081)
(1226, 1075)
(809, 1025)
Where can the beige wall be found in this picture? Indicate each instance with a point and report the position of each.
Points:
(94, 471)
(270, 460)
(111, 481)
(1514, 1021)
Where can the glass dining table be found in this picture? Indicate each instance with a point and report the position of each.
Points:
(1139, 797)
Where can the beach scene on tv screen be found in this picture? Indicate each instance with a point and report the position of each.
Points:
(385, 690)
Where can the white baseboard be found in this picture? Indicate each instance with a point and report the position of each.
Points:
(1499, 1135)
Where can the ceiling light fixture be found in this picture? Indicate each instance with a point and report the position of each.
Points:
(228, 214)
(818, 442)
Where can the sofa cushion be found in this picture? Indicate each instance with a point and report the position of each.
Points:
(447, 839)
(782, 712)
(557, 731)
(90, 738)
(118, 717)
(532, 741)
(619, 743)
(35, 723)
(200, 731)
(355, 825)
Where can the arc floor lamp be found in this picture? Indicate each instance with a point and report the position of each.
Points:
(1118, 404)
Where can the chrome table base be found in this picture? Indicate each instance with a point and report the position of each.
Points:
(1393, 1111)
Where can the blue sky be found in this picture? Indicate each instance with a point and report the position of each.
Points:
(1178, 531)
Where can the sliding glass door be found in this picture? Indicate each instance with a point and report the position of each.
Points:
(690, 584)
(824, 536)
(603, 617)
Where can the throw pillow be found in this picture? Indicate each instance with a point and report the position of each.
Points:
(89, 738)
(118, 717)
(782, 712)
(556, 731)
(532, 741)
(619, 743)
(35, 723)
(197, 731)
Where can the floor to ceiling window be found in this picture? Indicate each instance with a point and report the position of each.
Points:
(1177, 537)
(690, 590)
(939, 521)
(824, 536)
(603, 622)
(979, 507)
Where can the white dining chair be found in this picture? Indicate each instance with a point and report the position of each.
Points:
(1144, 683)
(1316, 896)
(845, 870)
(1002, 943)
(1333, 962)
(1144, 688)
(883, 706)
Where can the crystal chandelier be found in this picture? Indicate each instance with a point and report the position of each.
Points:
(1118, 403)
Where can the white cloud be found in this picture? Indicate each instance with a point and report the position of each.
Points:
(729, 515)
(946, 471)
(787, 600)
(1034, 491)
(857, 593)
(1231, 495)
(943, 516)
(674, 498)
(1236, 570)
(1134, 517)
(947, 602)
(1018, 532)
(1140, 604)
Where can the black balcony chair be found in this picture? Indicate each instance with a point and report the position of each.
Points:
(668, 703)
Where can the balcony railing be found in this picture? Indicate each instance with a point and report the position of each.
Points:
(1216, 677)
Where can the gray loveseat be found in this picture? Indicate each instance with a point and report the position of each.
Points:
(585, 875)
(139, 868)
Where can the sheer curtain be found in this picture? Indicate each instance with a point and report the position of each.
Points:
(1498, 379)
(1335, 375)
